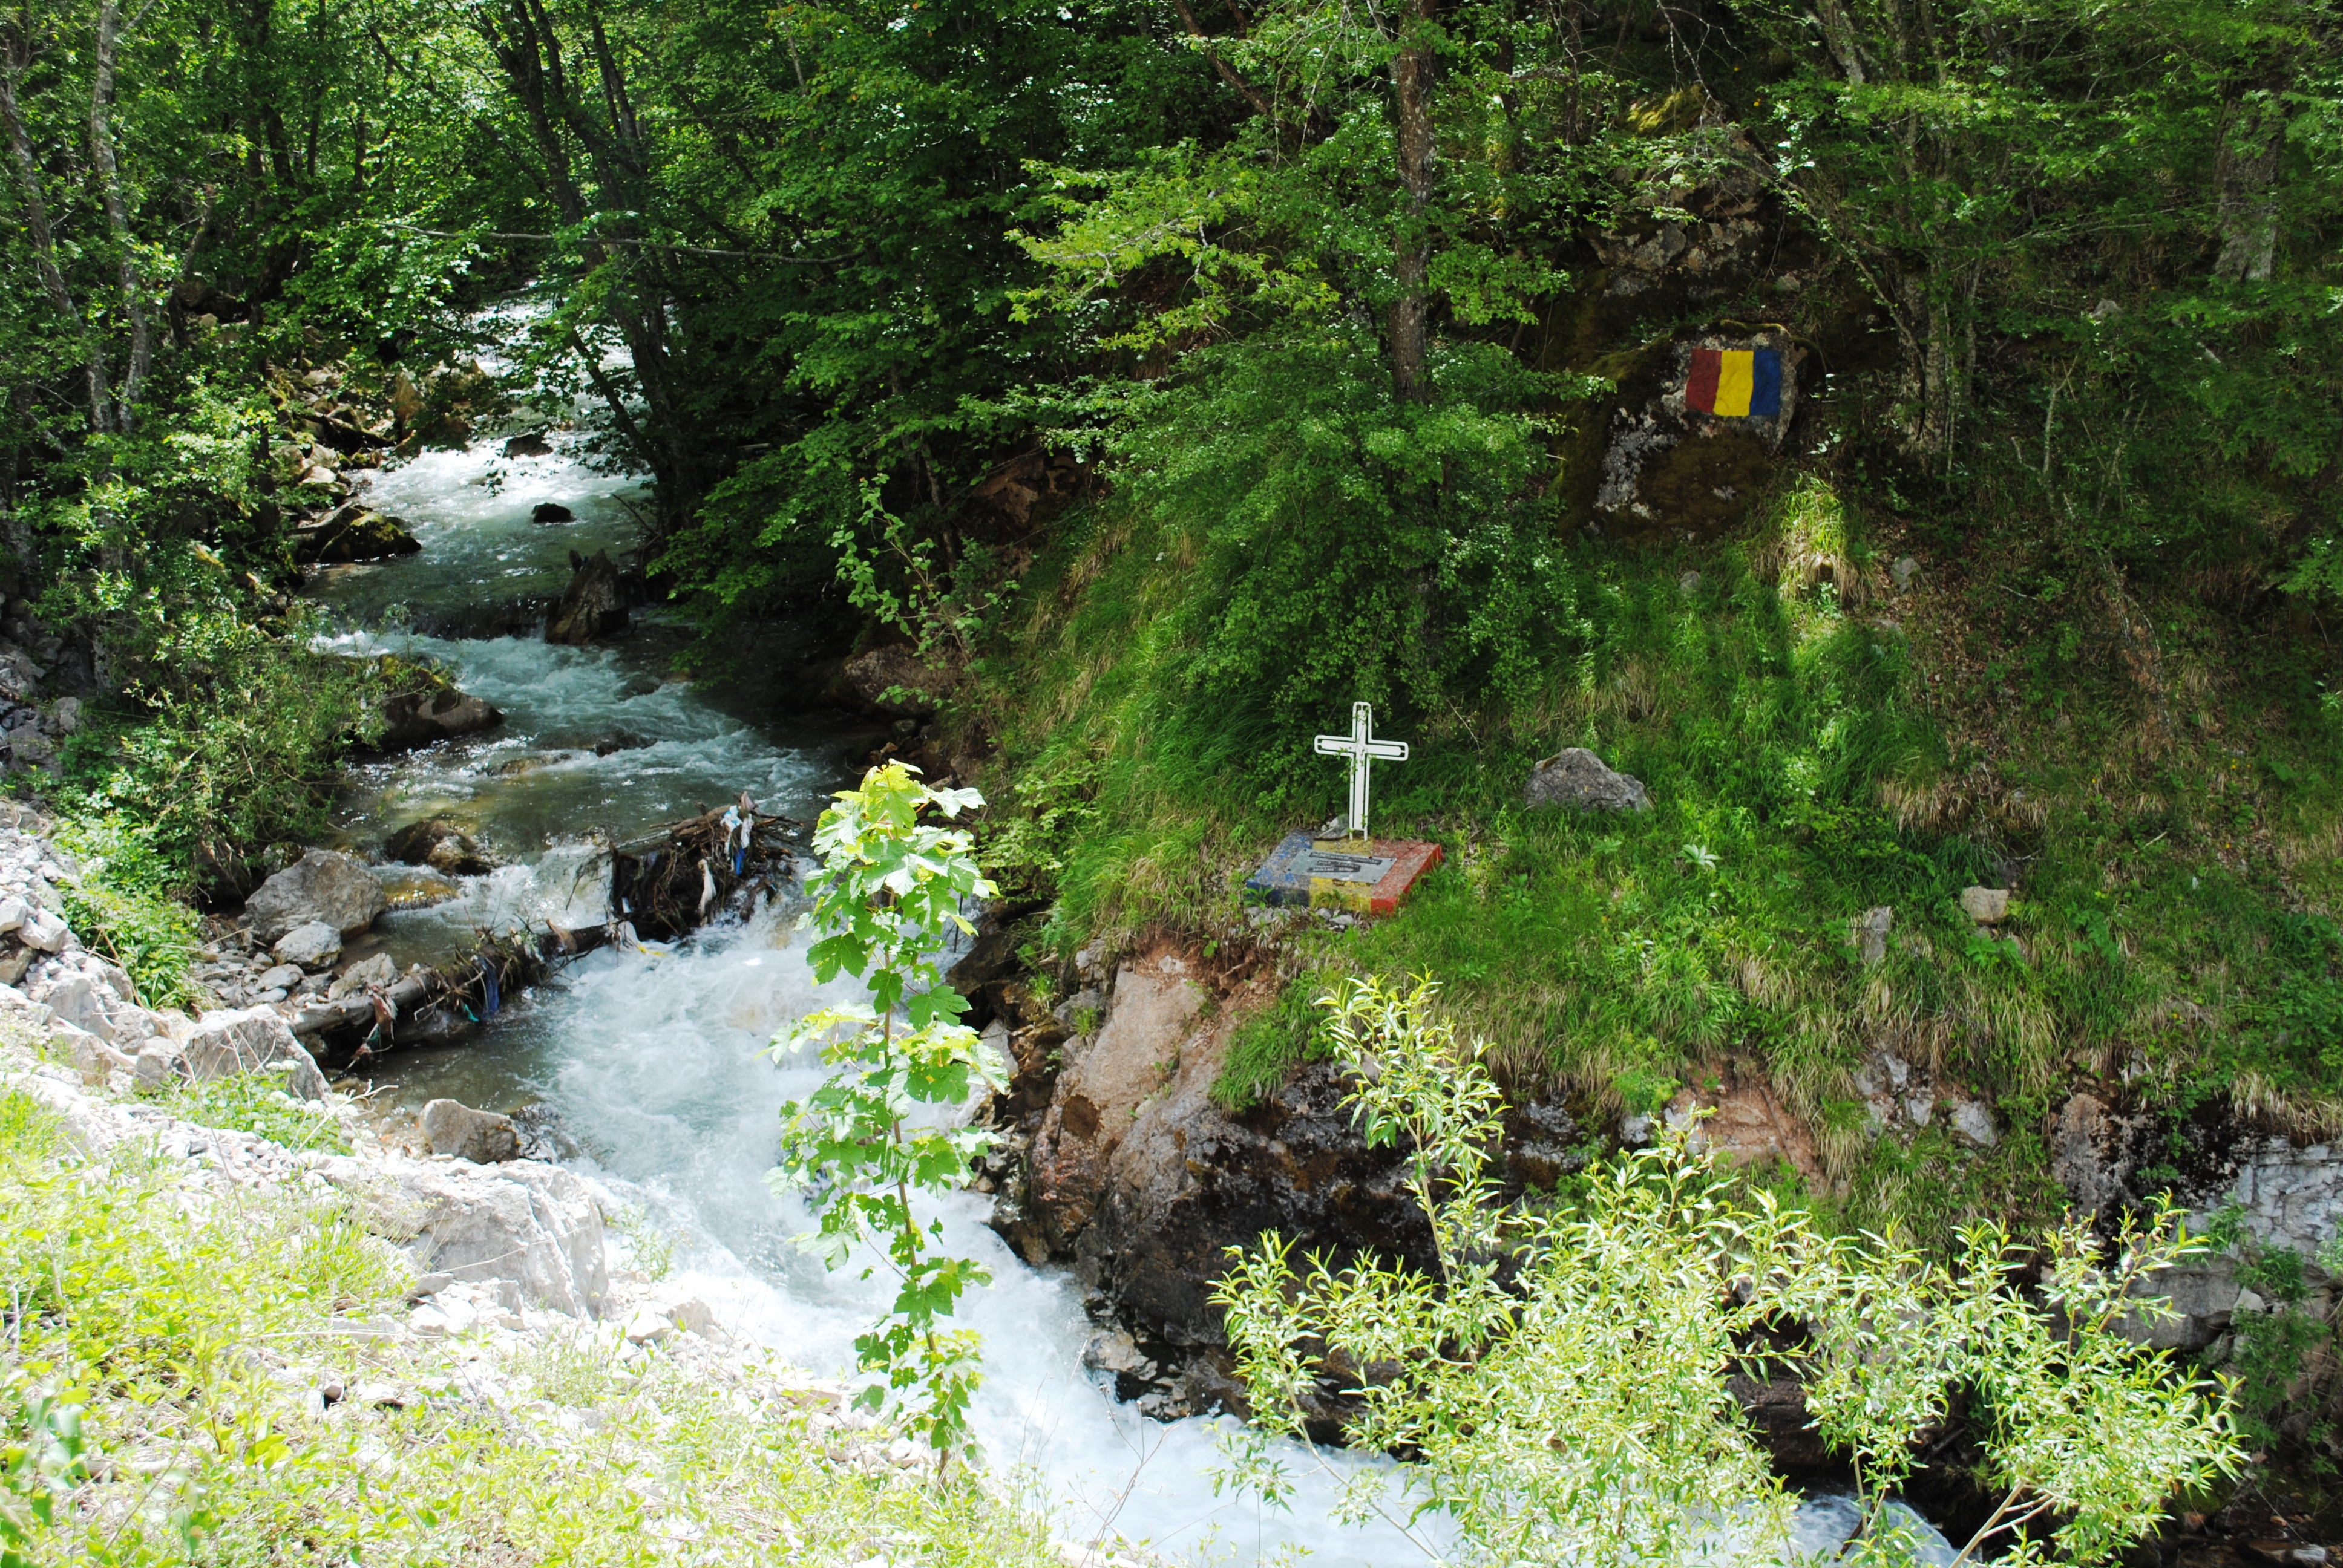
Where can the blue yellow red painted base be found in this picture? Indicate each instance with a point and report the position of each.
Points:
(1295, 874)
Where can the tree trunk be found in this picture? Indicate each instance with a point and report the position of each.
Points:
(36, 224)
(2249, 212)
(1411, 71)
(117, 219)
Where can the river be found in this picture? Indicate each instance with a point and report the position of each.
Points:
(651, 1061)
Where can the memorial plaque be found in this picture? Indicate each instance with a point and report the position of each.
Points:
(1371, 881)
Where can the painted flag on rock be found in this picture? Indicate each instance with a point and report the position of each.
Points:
(1737, 383)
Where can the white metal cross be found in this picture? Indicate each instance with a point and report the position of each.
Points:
(1360, 744)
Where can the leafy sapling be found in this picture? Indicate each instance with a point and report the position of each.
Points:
(888, 893)
(1558, 1384)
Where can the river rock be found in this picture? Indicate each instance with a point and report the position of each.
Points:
(551, 512)
(226, 1042)
(593, 605)
(1145, 1181)
(1576, 776)
(323, 885)
(415, 718)
(314, 946)
(378, 970)
(482, 1137)
(896, 681)
(528, 444)
(439, 844)
(533, 1224)
(369, 536)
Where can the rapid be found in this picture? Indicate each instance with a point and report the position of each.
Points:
(647, 1061)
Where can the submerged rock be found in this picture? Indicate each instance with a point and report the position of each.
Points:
(551, 512)
(323, 885)
(441, 844)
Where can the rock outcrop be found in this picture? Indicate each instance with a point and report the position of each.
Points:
(323, 885)
(1143, 1181)
(895, 681)
(534, 1226)
(1576, 776)
(225, 1043)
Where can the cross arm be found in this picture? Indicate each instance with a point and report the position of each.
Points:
(1336, 746)
(1391, 751)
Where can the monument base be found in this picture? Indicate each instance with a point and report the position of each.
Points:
(1364, 877)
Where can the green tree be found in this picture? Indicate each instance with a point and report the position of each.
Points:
(891, 889)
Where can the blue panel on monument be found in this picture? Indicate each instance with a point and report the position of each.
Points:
(1283, 879)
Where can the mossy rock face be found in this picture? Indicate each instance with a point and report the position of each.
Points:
(367, 537)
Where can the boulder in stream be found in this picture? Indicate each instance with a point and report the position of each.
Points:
(352, 533)
(415, 719)
(322, 885)
(593, 605)
(527, 443)
(551, 512)
(439, 844)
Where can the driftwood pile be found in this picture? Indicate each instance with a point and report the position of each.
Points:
(688, 873)
(663, 885)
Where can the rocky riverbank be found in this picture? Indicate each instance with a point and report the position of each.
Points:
(516, 1315)
(1119, 1162)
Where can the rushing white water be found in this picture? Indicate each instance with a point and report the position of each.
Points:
(651, 1062)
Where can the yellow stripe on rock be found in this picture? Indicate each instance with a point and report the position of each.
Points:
(1736, 376)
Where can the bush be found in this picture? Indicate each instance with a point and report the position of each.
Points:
(234, 747)
(123, 903)
(1558, 1385)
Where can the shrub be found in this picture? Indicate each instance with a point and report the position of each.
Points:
(1557, 1385)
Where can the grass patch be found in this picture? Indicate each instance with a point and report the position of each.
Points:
(1816, 743)
(253, 1102)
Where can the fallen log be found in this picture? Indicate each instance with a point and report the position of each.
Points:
(475, 984)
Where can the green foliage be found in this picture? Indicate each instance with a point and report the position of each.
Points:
(890, 890)
(653, 1250)
(233, 749)
(256, 1102)
(1558, 1383)
(123, 903)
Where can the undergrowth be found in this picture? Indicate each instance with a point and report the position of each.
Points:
(253, 1102)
